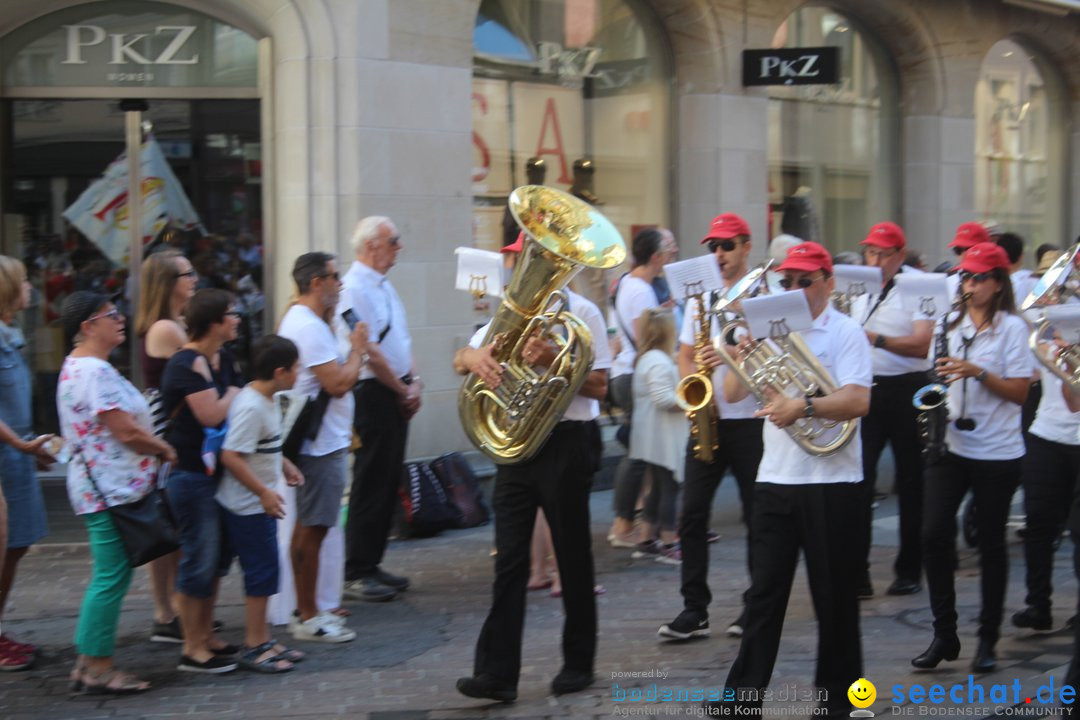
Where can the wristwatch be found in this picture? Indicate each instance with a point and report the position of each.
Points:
(981, 377)
(808, 411)
(879, 341)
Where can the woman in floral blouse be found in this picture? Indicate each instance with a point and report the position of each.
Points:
(106, 422)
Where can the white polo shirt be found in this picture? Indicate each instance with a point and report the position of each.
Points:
(1023, 283)
(1053, 420)
(1002, 349)
(581, 407)
(889, 318)
(842, 348)
(373, 298)
(741, 410)
(633, 297)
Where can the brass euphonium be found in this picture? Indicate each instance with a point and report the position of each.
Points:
(510, 423)
(694, 393)
(1057, 285)
(782, 364)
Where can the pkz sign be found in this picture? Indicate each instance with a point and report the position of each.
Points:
(171, 40)
(791, 66)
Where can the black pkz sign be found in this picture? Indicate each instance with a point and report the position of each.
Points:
(791, 66)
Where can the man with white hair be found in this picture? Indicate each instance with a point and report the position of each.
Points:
(387, 397)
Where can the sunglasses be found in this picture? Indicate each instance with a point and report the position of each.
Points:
(877, 253)
(334, 275)
(975, 277)
(958, 251)
(727, 245)
(803, 282)
(114, 314)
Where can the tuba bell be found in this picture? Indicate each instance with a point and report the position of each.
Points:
(1057, 286)
(782, 364)
(510, 423)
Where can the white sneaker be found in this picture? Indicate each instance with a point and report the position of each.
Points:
(331, 618)
(317, 629)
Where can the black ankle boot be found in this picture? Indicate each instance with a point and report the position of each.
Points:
(942, 648)
(985, 660)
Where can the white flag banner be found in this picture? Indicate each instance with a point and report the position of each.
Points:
(101, 212)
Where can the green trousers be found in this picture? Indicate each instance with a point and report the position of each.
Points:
(96, 632)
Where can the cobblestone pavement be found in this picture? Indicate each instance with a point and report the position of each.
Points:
(409, 652)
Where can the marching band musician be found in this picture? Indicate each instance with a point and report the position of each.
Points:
(988, 368)
(557, 480)
(739, 436)
(806, 502)
(1072, 675)
(901, 341)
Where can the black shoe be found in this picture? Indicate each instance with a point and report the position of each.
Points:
(398, 582)
(1034, 619)
(369, 589)
(1070, 623)
(864, 590)
(985, 660)
(940, 649)
(485, 686)
(214, 666)
(169, 632)
(571, 681)
(689, 624)
(904, 586)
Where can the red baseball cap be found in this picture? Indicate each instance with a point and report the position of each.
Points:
(970, 234)
(983, 257)
(807, 257)
(886, 235)
(516, 246)
(725, 226)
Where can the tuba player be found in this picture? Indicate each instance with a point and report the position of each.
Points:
(809, 503)
(557, 480)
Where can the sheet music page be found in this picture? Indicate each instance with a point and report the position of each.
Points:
(924, 294)
(479, 271)
(857, 279)
(697, 275)
(784, 313)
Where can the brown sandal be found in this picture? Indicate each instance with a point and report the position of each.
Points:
(113, 681)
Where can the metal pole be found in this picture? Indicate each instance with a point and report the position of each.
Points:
(133, 142)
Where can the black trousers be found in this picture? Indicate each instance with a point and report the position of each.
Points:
(816, 519)
(383, 430)
(1072, 676)
(740, 451)
(992, 484)
(557, 480)
(892, 420)
(1050, 471)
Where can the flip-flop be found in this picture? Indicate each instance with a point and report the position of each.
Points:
(293, 656)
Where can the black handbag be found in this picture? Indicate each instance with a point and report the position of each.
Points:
(146, 526)
(306, 426)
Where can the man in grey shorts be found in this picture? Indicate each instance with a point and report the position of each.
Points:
(324, 460)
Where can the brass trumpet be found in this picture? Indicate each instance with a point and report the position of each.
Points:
(1057, 285)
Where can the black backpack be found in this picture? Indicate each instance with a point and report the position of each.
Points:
(427, 510)
(460, 482)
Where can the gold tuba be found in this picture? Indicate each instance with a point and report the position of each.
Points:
(563, 234)
(1057, 285)
(694, 393)
(783, 364)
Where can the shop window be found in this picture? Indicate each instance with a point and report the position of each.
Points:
(1018, 176)
(832, 148)
(582, 84)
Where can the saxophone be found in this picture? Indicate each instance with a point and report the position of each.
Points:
(930, 400)
(694, 394)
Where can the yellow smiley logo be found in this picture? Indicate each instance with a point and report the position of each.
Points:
(862, 693)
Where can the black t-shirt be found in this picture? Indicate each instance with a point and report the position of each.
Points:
(177, 382)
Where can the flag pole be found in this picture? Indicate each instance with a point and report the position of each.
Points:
(133, 110)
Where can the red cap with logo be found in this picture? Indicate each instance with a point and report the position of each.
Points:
(968, 235)
(886, 235)
(726, 226)
(984, 257)
(516, 246)
(807, 257)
